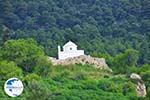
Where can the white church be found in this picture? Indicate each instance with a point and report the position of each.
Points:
(69, 50)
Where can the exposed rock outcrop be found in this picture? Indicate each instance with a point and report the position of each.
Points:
(84, 59)
(140, 86)
(135, 76)
(141, 89)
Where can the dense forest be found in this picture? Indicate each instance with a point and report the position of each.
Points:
(106, 26)
(117, 30)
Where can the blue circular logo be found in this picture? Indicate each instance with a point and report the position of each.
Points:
(13, 87)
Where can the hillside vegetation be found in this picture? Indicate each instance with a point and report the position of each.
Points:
(117, 30)
(26, 60)
(106, 26)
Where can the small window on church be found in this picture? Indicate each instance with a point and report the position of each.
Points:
(70, 48)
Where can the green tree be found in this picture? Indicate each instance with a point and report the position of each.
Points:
(43, 66)
(146, 8)
(6, 9)
(9, 69)
(132, 57)
(22, 52)
(6, 34)
(123, 61)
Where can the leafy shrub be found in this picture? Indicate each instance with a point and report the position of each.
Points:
(146, 75)
(66, 73)
(9, 70)
(31, 77)
(127, 88)
(90, 85)
(43, 66)
(148, 92)
(108, 86)
(80, 76)
(59, 79)
(37, 90)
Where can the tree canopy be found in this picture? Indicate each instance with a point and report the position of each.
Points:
(106, 26)
(23, 52)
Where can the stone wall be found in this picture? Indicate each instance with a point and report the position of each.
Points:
(84, 59)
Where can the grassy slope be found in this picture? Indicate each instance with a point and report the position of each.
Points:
(78, 82)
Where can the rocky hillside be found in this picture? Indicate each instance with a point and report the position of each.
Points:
(138, 83)
(84, 59)
(101, 64)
